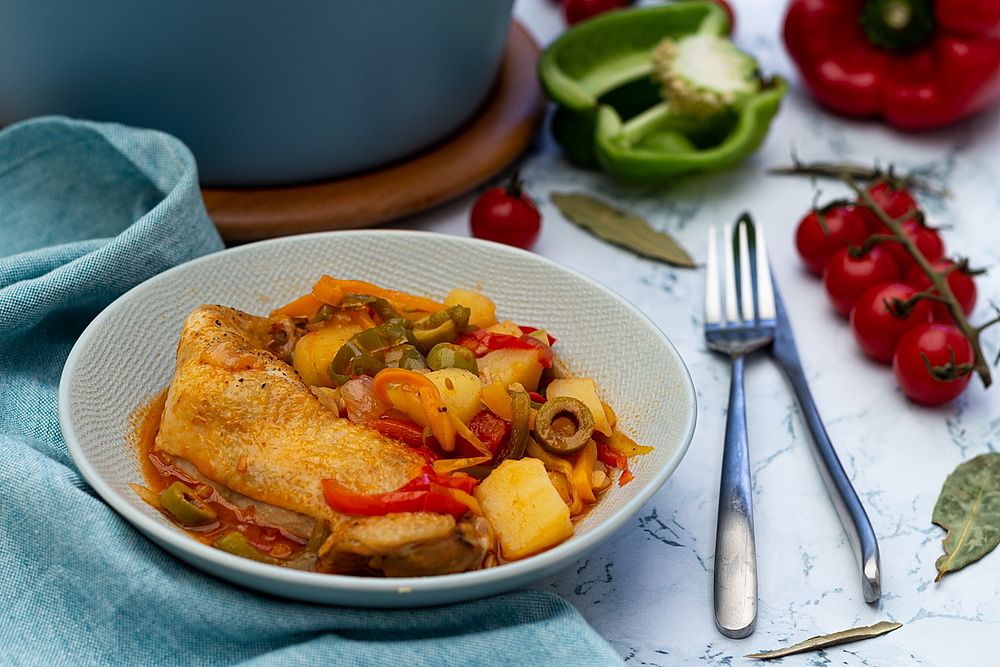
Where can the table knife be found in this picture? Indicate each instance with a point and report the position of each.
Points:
(842, 494)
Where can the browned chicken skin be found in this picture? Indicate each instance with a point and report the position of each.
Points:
(245, 420)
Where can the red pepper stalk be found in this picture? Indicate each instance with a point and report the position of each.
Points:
(918, 64)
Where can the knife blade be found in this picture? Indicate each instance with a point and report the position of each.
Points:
(845, 499)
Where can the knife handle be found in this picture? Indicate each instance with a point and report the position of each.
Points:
(845, 498)
(735, 548)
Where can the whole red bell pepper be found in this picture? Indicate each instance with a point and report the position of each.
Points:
(918, 64)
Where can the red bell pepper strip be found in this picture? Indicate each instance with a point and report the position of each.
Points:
(531, 330)
(918, 64)
(482, 341)
(345, 501)
(612, 458)
(536, 397)
(489, 428)
(408, 433)
(427, 479)
(427, 492)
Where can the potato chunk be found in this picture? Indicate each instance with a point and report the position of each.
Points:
(507, 328)
(524, 508)
(511, 365)
(483, 310)
(314, 352)
(460, 390)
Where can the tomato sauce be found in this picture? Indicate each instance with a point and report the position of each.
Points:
(159, 473)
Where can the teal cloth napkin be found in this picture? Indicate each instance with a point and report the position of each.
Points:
(88, 210)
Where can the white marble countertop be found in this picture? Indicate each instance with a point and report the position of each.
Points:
(648, 590)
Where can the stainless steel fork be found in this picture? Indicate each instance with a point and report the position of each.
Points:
(737, 325)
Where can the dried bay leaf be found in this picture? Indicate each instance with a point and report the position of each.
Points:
(833, 639)
(622, 228)
(969, 509)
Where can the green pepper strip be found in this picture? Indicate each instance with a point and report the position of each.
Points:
(382, 308)
(360, 354)
(404, 356)
(521, 428)
(184, 504)
(235, 543)
(449, 355)
(324, 313)
(320, 531)
(519, 435)
(559, 443)
(440, 327)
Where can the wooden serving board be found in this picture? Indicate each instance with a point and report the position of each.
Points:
(478, 151)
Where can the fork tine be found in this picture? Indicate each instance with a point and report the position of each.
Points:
(713, 298)
(765, 289)
(729, 267)
(746, 276)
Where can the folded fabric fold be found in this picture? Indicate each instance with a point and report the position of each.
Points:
(88, 211)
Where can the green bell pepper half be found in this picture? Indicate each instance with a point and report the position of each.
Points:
(610, 112)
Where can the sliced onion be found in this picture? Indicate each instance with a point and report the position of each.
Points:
(360, 401)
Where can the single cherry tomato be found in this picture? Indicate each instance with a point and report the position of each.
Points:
(581, 10)
(960, 281)
(506, 215)
(933, 363)
(847, 277)
(895, 201)
(881, 317)
(822, 233)
(928, 242)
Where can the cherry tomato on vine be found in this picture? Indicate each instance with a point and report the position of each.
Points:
(506, 214)
(581, 10)
(847, 277)
(823, 232)
(933, 363)
(895, 201)
(928, 242)
(881, 317)
(961, 283)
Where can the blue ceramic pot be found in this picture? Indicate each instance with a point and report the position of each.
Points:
(264, 92)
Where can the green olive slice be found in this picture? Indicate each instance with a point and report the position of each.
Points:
(557, 440)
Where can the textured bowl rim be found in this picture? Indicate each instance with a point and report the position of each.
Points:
(557, 557)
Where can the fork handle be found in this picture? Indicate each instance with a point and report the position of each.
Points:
(735, 550)
(845, 499)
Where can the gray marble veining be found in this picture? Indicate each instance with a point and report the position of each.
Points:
(648, 590)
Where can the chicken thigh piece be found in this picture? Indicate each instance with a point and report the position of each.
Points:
(245, 420)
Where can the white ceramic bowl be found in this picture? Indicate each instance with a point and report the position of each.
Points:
(127, 354)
